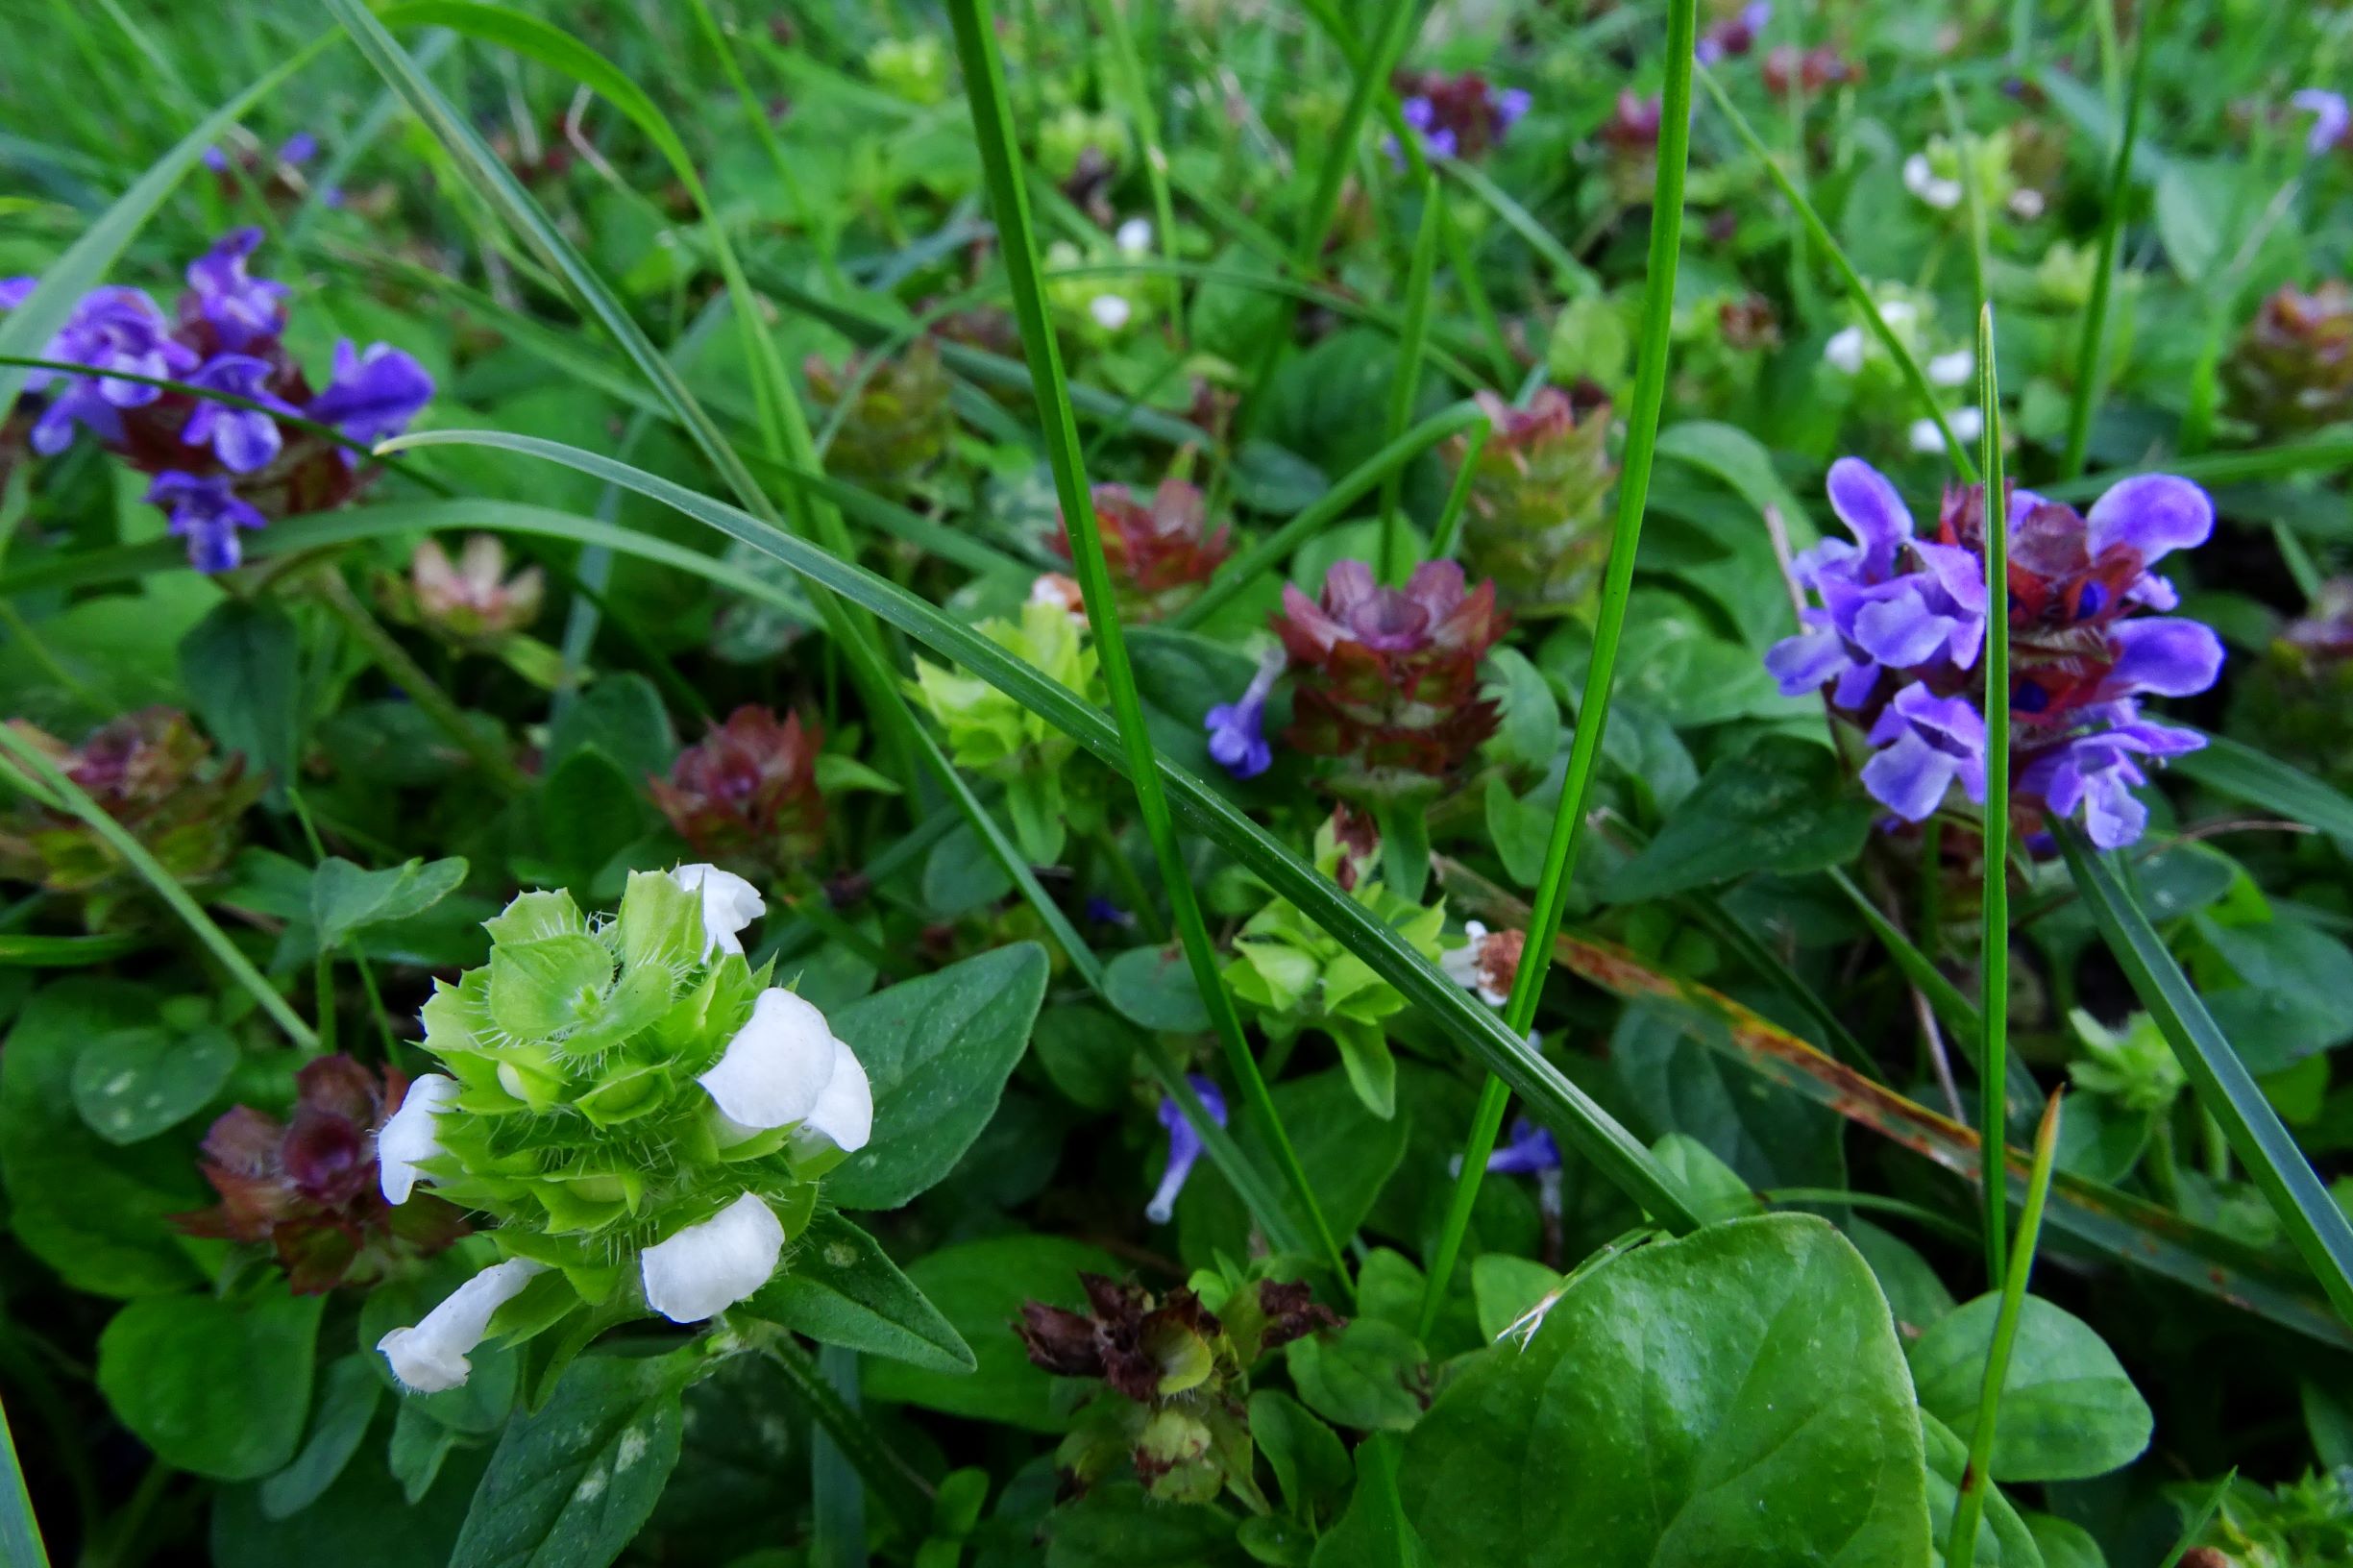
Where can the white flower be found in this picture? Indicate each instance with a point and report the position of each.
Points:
(1110, 312)
(1925, 182)
(729, 903)
(1898, 315)
(709, 1267)
(408, 1137)
(778, 1067)
(1133, 236)
(1844, 349)
(1968, 424)
(1464, 967)
(1952, 369)
(845, 1112)
(2025, 204)
(431, 1357)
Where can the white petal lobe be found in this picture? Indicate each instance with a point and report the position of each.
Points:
(409, 1136)
(729, 903)
(777, 1065)
(431, 1357)
(844, 1112)
(709, 1267)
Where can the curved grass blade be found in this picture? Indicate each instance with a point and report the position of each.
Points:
(32, 760)
(26, 330)
(2307, 1212)
(2235, 768)
(21, 951)
(1449, 531)
(1609, 628)
(20, 1533)
(1994, 954)
(1405, 382)
(1856, 289)
(1969, 1506)
(1557, 1102)
(1959, 1013)
(984, 75)
(2089, 349)
(2200, 1519)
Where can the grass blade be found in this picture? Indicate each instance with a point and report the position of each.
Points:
(1994, 955)
(1406, 380)
(1967, 1508)
(1559, 1104)
(2235, 768)
(2200, 1520)
(20, 1533)
(2229, 1093)
(2088, 352)
(1856, 289)
(70, 796)
(1652, 351)
(1001, 162)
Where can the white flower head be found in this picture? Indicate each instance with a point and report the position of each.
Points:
(845, 1112)
(729, 903)
(1110, 312)
(1952, 369)
(2025, 204)
(431, 1357)
(1968, 424)
(1133, 236)
(778, 1064)
(709, 1267)
(409, 1136)
(1844, 349)
(1924, 182)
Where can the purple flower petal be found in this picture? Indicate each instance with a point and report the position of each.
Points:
(2151, 513)
(208, 514)
(242, 309)
(1910, 777)
(1897, 627)
(1869, 504)
(1185, 1146)
(1530, 1151)
(2163, 655)
(373, 396)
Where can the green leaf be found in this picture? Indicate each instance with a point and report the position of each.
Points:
(349, 1393)
(131, 1084)
(1118, 1526)
(362, 1518)
(589, 812)
(475, 1407)
(1769, 1137)
(840, 1288)
(217, 1387)
(2068, 1410)
(1374, 1530)
(621, 716)
(1154, 988)
(242, 667)
(979, 1288)
(1349, 1154)
(1529, 732)
(571, 1482)
(1370, 1375)
(346, 898)
(2005, 1543)
(92, 1211)
(1309, 1463)
(1735, 1396)
(2258, 778)
(2310, 1216)
(1780, 806)
(1732, 456)
(420, 1445)
(936, 1052)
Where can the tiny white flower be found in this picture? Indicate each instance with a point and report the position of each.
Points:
(1926, 437)
(709, 1267)
(431, 1357)
(1110, 312)
(1844, 349)
(776, 1067)
(1463, 968)
(1969, 423)
(1924, 182)
(844, 1112)
(729, 903)
(1952, 369)
(409, 1136)
(1898, 313)
(2025, 204)
(1134, 237)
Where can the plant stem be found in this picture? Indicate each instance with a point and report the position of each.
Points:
(1617, 588)
(2088, 351)
(893, 1480)
(1994, 958)
(411, 677)
(1407, 381)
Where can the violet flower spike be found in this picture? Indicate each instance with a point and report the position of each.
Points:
(2097, 772)
(245, 440)
(208, 514)
(241, 309)
(1185, 1146)
(1237, 729)
(373, 396)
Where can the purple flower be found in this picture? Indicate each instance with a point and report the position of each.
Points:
(2331, 118)
(1530, 1151)
(241, 309)
(1237, 729)
(1184, 1146)
(1511, 105)
(14, 291)
(2097, 772)
(2161, 656)
(1927, 741)
(300, 149)
(244, 439)
(208, 514)
(1103, 912)
(374, 394)
(215, 159)
(112, 329)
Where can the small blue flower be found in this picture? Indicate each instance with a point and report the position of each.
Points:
(1529, 1152)
(300, 149)
(244, 439)
(208, 514)
(1184, 1146)
(2331, 118)
(1103, 912)
(112, 329)
(1237, 729)
(241, 309)
(14, 291)
(373, 396)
